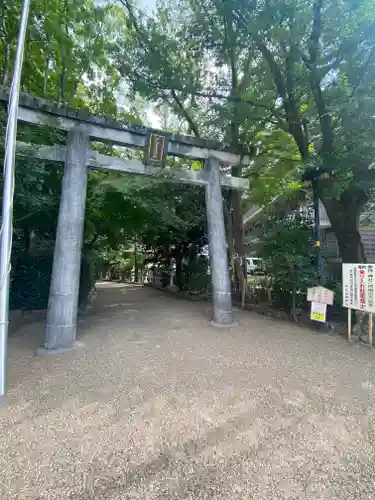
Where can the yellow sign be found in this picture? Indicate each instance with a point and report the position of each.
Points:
(318, 316)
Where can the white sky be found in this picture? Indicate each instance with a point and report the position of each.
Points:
(146, 5)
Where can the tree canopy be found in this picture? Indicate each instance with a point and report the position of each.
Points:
(290, 81)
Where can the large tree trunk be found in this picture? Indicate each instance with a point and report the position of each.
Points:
(349, 243)
(238, 86)
(178, 261)
(136, 267)
(227, 205)
(239, 256)
(344, 215)
(29, 236)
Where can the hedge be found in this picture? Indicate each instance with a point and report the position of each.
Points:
(31, 278)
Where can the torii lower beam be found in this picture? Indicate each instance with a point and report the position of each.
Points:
(105, 162)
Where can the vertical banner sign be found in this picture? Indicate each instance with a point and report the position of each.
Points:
(358, 287)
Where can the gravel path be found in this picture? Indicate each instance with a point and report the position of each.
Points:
(157, 404)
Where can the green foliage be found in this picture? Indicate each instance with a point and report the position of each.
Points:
(275, 168)
(195, 275)
(335, 284)
(289, 257)
(291, 81)
(65, 58)
(31, 277)
(37, 184)
(87, 279)
(162, 215)
(295, 80)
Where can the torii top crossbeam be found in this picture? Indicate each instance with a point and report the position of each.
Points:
(41, 111)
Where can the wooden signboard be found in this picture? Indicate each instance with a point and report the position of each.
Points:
(156, 149)
(320, 294)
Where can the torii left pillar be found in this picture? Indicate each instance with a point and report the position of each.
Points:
(61, 327)
(221, 286)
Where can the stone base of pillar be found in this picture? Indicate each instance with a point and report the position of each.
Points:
(173, 288)
(220, 325)
(43, 352)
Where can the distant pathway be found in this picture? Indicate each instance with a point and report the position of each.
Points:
(157, 404)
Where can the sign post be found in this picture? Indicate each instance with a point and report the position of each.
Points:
(358, 291)
(370, 329)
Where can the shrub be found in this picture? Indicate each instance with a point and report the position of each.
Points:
(30, 282)
(31, 278)
(290, 258)
(195, 275)
(87, 280)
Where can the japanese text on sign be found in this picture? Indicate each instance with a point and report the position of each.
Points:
(318, 312)
(320, 294)
(358, 286)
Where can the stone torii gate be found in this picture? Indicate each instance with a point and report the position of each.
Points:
(77, 156)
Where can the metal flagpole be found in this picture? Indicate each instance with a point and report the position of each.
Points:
(8, 191)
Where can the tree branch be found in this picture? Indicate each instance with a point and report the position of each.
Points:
(363, 71)
(190, 121)
(218, 95)
(293, 118)
(311, 63)
(186, 114)
(230, 40)
(295, 126)
(247, 70)
(316, 31)
(275, 70)
(133, 19)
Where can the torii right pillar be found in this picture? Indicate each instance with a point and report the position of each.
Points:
(221, 286)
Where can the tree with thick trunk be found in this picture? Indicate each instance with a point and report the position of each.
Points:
(232, 69)
(318, 111)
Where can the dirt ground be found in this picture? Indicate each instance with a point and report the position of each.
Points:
(158, 404)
